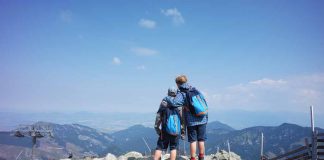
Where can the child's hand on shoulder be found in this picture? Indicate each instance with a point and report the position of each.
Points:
(170, 97)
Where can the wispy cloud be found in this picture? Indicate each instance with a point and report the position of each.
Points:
(66, 16)
(141, 67)
(290, 94)
(267, 82)
(146, 23)
(175, 15)
(116, 61)
(141, 51)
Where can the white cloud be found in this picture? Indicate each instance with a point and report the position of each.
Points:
(146, 23)
(268, 82)
(175, 15)
(141, 51)
(116, 61)
(291, 94)
(66, 16)
(141, 67)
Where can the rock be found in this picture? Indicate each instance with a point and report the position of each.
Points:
(223, 155)
(110, 156)
(182, 158)
(122, 157)
(132, 155)
(165, 156)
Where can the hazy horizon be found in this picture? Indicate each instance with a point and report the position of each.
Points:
(111, 121)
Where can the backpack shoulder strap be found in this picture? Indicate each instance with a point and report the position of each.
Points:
(185, 95)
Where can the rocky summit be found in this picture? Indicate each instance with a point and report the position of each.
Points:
(221, 155)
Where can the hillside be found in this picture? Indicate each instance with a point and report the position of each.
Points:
(246, 142)
(131, 139)
(78, 139)
(82, 140)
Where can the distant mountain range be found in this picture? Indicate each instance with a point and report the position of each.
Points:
(105, 122)
(78, 139)
(110, 122)
(82, 140)
(132, 138)
(246, 142)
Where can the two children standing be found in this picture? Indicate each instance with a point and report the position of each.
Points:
(185, 108)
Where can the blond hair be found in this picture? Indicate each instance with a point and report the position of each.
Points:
(181, 79)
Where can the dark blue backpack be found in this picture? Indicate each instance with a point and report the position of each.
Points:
(171, 122)
(196, 102)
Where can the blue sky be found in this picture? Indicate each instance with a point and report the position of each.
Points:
(121, 56)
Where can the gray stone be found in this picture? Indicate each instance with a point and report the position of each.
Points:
(110, 156)
(133, 155)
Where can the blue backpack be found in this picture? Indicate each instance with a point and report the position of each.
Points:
(171, 121)
(196, 102)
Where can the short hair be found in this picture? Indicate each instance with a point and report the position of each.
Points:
(172, 91)
(181, 79)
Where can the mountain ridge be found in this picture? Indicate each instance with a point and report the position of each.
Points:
(82, 140)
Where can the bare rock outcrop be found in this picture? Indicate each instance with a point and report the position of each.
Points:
(110, 156)
(223, 155)
(131, 156)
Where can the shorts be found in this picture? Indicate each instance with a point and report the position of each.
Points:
(197, 133)
(167, 140)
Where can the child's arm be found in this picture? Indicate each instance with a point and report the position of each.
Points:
(183, 123)
(177, 101)
(157, 123)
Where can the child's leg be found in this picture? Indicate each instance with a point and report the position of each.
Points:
(173, 154)
(202, 137)
(201, 146)
(162, 144)
(174, 142)
(157, 154)
(193, 148)
(192, 138)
